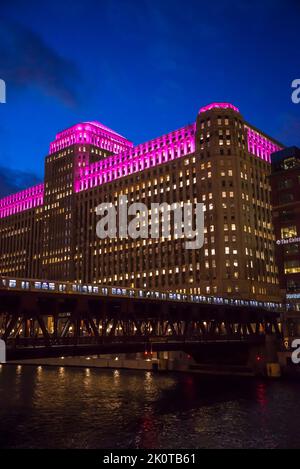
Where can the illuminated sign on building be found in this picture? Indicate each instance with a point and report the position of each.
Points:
(287, 241)
(293, 296)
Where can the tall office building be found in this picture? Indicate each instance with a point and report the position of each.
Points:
(285, 182)
(49, 231)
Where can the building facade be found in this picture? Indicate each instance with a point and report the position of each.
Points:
(49, 231)
(285, 182)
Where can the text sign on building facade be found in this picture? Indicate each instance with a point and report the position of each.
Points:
(287, 241)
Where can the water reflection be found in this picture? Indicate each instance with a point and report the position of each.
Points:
(89, 408)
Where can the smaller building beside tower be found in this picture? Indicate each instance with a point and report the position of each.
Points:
(285, 182)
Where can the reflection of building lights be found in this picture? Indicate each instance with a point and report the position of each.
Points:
(117, 358)
(88, 358)
(62, 358)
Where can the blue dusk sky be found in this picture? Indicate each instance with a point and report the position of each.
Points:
(141, 67)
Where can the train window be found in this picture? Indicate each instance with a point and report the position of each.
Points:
(52, 286)
(74, 287)
(141, 293)
(95, 290)
(45, 286)
(12, 283)
(24, 285)
(62, 287)
(37, 285)
(104, 291)
(3, 282)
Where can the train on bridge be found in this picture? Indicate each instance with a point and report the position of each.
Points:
(34, 285)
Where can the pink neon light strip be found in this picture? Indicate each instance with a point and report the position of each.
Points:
(260, 146)
(155, 152)
(24, 200)
(93, 133)
(209, 107)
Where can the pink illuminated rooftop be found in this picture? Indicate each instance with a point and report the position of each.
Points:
(211, 106)
(169, 147)
(260, 145)
(124, 159)
(93, 133)
(21, 201)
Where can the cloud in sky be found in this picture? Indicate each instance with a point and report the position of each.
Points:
(14, 180)
(26, 60)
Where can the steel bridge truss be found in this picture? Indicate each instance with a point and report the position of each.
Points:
(35, 320)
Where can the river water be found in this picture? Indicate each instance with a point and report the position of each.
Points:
(44, 407)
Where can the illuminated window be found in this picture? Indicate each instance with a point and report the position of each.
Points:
(289, 232)
(292, 267)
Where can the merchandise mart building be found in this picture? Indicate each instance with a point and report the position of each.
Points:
(49, 231)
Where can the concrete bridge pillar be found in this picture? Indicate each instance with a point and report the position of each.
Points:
(272, 364)
(263, 359)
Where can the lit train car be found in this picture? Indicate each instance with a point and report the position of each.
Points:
(98, 290)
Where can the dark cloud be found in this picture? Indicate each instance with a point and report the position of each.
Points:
(27, 60)
(14, 180)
